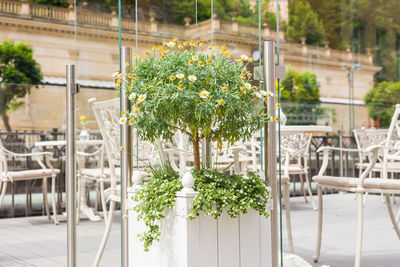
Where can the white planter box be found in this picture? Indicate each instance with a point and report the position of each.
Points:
(203, 242)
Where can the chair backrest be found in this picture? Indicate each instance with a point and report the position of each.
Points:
(368, 137)
(296, 143)
(107, 115)
(3, 160)
(392, 140)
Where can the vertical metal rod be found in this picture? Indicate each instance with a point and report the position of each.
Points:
(126, 158)
(270, 151)
(70, 166)
(341, 152)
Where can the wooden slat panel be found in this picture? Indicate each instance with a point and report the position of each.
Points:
(249, 239)
(228, 241)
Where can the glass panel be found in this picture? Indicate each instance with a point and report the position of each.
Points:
(97, 58)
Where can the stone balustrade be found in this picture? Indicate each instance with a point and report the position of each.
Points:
(220, 27)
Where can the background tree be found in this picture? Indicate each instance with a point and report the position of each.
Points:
(18, 73)
(381, 101)
(300, 98)
(304, 22)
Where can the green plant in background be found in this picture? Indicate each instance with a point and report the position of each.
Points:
(300, 98)
(218, 192)
(180, 87)
(304, 22)
(381, 101)
(19, 71)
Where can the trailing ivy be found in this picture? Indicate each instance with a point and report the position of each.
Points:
(234, 194)
(156, 196)
(218, 192)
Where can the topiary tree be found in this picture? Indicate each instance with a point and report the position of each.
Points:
(304, 22)
(19, 71)
(300, 98)
(381, 101)
(180, 87)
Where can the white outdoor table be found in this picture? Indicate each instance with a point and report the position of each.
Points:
(84, 208)
(314, 129)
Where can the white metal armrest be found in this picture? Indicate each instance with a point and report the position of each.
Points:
(26, 154)
(372, 150)
(327, 148)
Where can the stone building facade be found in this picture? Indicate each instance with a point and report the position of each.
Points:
(92, 45)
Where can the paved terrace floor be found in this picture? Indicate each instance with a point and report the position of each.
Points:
(35, 241)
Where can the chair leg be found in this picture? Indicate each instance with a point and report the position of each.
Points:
(360, 217)
(302, 188)
(392, 218)
(105, 235)
(96, 204)
(310, 191)
(78, 208)
(53, 197)
(3, 192)
(103, 201)
(286, 193)
(45, 199)
(398, 217)
(319, 235)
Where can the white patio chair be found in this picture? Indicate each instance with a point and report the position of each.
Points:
(298, 146)
(362, 184)
(7, 176)
(107, 115)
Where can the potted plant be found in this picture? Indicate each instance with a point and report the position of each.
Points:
(203, 93)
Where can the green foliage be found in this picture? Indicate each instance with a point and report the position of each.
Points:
(218, 192)
(59, 3)
(202, 95)
(156, 197)
(233, 194)
(18, 72)
(381, 101)
(304, 22)
(300, 97)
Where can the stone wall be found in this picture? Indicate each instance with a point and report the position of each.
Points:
(94, 50)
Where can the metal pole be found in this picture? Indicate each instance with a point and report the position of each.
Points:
(352, 100)
(270, 151)
(72, 90)
(126, 159)
(341, 152)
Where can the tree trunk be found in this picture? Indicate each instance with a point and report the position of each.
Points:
(6, 122)
(196, 151)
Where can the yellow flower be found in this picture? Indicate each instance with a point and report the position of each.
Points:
(122, 148)
(224, 46)
(133, 80)
(224, 88)
(132, 96)
(222, 50)
(134, 55)
(180, 46)
(243, 76)
(172, 77)
(277, 118)
(192, 78)
(164, 42)
(265, 99)
(201, 44)
(141, 98)
(201, 63)
(221, 102)
(130, 74)
(129, 88)
(123, 112)
(122, 120)
(195, 58)
(243, 89)
(180, 76)
(209, 61)
(83, 117)
(278, 105)
(251, 59)
(190, 62)
(135, 110)
(243, 57)
(181, 87)
(226, 54)
(194, 44)
(204, 94)
(116, 86)
(254, 87)
(154, 47)
(230, 55)
(131, 121)
(185, 43)
(162, 56)
(247, 85)
(147, 51)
